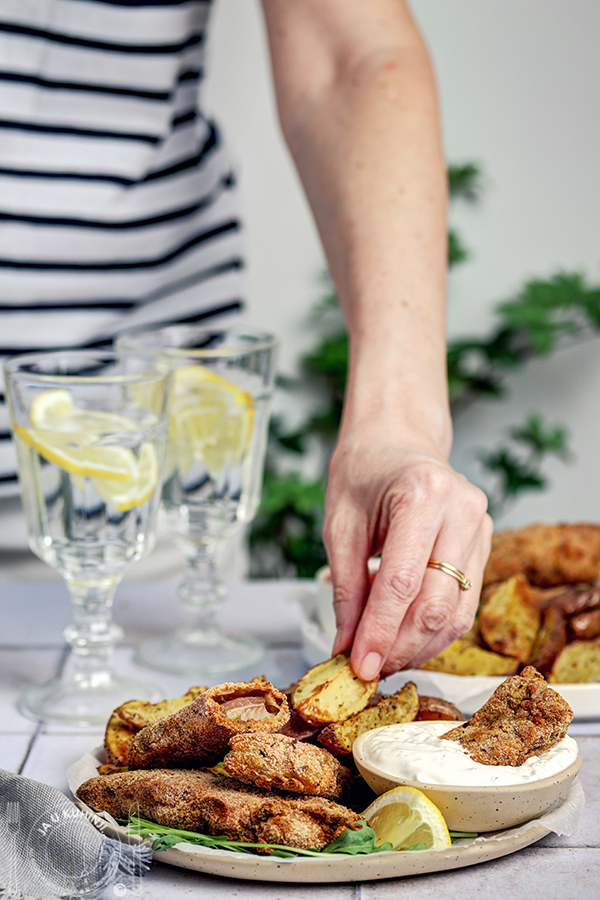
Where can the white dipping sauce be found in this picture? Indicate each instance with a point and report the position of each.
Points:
(415, 752)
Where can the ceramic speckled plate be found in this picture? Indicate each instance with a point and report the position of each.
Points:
(335, 868)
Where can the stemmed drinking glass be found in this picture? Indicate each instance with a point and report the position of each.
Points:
(221, 386)
(90, 444)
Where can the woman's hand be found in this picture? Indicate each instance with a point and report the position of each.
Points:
(409, 506)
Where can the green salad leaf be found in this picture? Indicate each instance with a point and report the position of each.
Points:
(462, 835)
(349, 842)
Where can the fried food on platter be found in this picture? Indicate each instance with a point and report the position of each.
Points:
(578, 662)
(465, 657)
(277, 761)
(219, 805)
(330, 692)
(198, 734)
(508, 621)
(402, 706)
(139, 713)
(523, 717)
(131, 717)
(117, 738)
(548, 555)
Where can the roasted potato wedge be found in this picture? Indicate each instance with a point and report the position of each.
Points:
(464, 657)
(578, 662)
(108, 769)
(585, 626)
(330, 692)
(139, 713)
(576, 598)
(402, 706)
(117, 738)
(551, 639)
(435, 708)
(508, 621)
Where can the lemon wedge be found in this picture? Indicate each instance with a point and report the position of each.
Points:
(405, 817)
(210, 419)
(136, 492)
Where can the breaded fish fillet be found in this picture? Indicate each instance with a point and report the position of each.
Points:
(218, 805)
(198, 734)
(523, 717)
(547, 554)
(277, 761)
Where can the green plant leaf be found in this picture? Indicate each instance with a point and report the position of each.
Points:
(464, 182)
(361, 841)
(540, 439)
(515, 475)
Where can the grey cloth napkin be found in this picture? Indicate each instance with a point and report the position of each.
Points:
(49, 848)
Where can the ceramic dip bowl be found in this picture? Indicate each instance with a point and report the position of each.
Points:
(469, 807)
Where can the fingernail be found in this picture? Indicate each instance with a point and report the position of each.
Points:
(370, 666)
(337, 641)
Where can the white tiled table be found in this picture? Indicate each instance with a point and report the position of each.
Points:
(32, 615)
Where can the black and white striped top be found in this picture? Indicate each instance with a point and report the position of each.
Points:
(117, 200)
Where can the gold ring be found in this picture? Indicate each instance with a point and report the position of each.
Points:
(465, 584)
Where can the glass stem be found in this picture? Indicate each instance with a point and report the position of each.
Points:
(92, 634)
(201, 590)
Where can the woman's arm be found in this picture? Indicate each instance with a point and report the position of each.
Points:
(358, 108)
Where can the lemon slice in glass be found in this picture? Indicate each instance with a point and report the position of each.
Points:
(135, 492)
(74, 453)
(406, 818)
(70, 436)
(210, 419)
(53, 410)
(50, 406)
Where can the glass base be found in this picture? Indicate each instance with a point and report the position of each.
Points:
(84, 703)
(203, 653)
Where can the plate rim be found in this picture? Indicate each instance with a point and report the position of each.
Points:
(338, 868)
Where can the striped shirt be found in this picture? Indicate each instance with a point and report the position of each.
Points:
(117, 200)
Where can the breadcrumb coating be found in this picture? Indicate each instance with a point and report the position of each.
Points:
(524, 717)
(278, 761)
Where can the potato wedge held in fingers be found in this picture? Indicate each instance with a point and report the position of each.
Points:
(330, 692)
(402, 706)
(139, 713)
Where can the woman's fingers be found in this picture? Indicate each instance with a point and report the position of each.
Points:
(411, 611)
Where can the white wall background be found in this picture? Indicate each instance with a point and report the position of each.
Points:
(519, 82)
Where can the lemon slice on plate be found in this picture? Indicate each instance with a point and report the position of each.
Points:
(138, 490)
(210, 419)
(405, 817)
